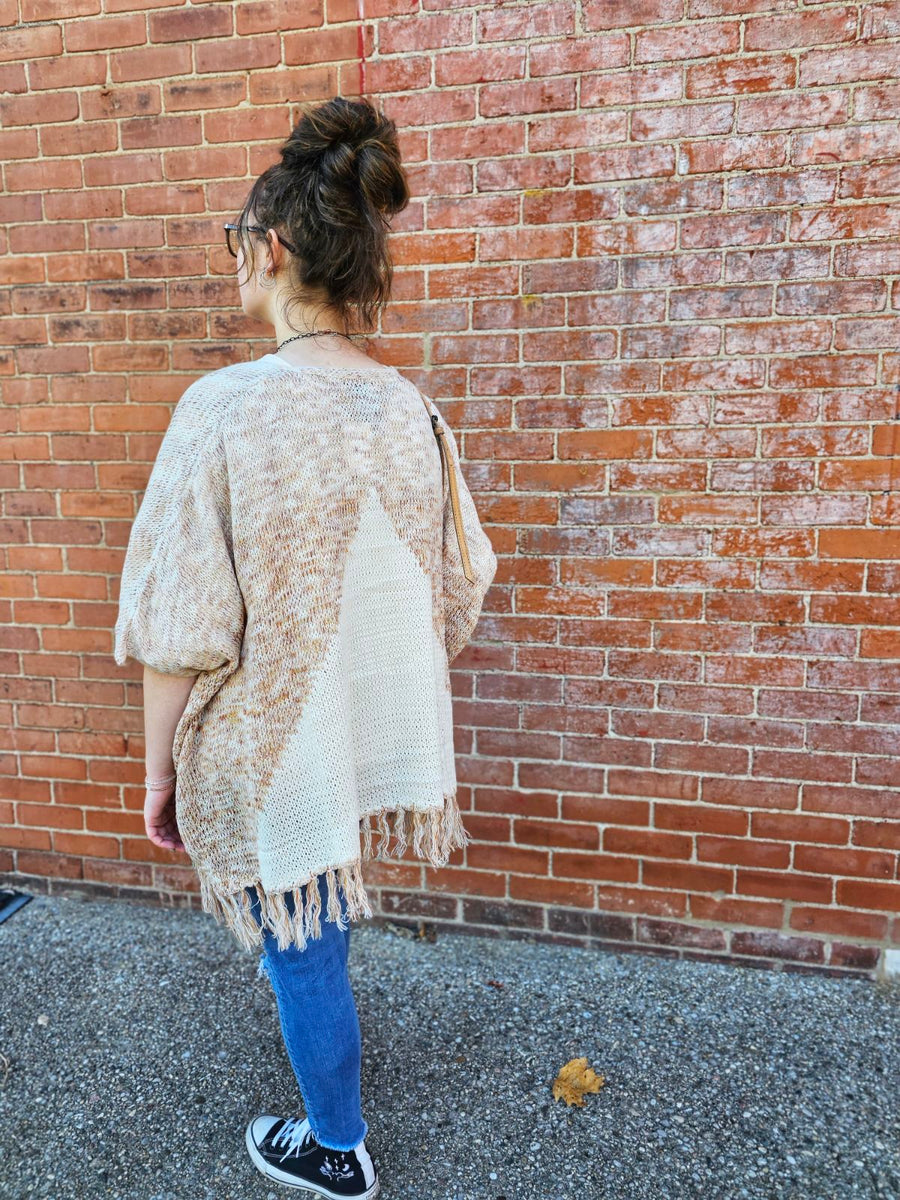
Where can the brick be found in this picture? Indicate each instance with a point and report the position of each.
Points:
(733, 154)
(778, 189)
(456, 67)
(508, 916)
(677, 121)
(638, 85)
(90, 845)
(27, 44)
(403, 904)
(601, 14)
(211, 21)
(845, 144)
(774, 945)
(551, 891)
(150, 62)
(673, 933)
(796, 110)
(655, 45)
(801, 29)
(855, 893)
(737, 76)
(554, 18)
(847, 64)
(583, 53)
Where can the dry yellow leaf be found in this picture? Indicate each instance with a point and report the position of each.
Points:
(574, 1080)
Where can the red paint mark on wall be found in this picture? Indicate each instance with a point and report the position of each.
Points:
(361, 44)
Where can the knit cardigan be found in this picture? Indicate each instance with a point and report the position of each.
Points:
(305, 550)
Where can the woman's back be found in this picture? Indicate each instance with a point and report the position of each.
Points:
(296, 546)
(336, 500)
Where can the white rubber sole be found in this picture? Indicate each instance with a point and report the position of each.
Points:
(273, 1173)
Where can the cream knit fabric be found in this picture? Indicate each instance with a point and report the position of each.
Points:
(295, 547)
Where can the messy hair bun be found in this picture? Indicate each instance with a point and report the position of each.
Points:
(339, 181)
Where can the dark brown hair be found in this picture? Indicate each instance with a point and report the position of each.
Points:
(332, 195)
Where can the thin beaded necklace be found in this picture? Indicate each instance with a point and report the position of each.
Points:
(313, 333)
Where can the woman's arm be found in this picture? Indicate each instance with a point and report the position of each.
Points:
(165, 698)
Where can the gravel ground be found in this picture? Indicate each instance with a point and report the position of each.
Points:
(139, 1041)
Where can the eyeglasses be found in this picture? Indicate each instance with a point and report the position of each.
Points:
(251, 229)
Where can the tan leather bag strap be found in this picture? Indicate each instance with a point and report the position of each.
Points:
(447, 463)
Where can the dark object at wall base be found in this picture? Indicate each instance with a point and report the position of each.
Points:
(11, 901)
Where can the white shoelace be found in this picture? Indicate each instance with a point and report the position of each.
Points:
(290, 1132)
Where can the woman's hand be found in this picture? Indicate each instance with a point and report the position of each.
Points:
(159, 819)
(165, 697)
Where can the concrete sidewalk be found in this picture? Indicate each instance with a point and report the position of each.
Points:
(139, 1042)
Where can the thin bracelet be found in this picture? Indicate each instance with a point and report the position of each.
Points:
(154, 785)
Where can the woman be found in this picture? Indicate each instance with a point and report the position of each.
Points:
(306, 562)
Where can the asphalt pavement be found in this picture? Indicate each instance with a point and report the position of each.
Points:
(137, 1040)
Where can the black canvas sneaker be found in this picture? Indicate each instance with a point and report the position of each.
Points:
(287, 1152)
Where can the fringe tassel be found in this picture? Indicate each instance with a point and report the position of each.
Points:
(314, 900)
(354, 891)
(333, 903)
(385, 833)
(400, 832)
(234, 910)
(432, 832)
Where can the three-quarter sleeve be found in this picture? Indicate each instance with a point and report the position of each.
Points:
(181, 611)
(463, 597)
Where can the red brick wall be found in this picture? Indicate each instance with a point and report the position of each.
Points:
(651, 274)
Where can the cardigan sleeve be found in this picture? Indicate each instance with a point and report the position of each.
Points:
(181, 611)
(463, 598)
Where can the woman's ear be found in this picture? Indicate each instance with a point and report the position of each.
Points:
(274, 251)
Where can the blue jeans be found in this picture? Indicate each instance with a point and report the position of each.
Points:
(319, 1023)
